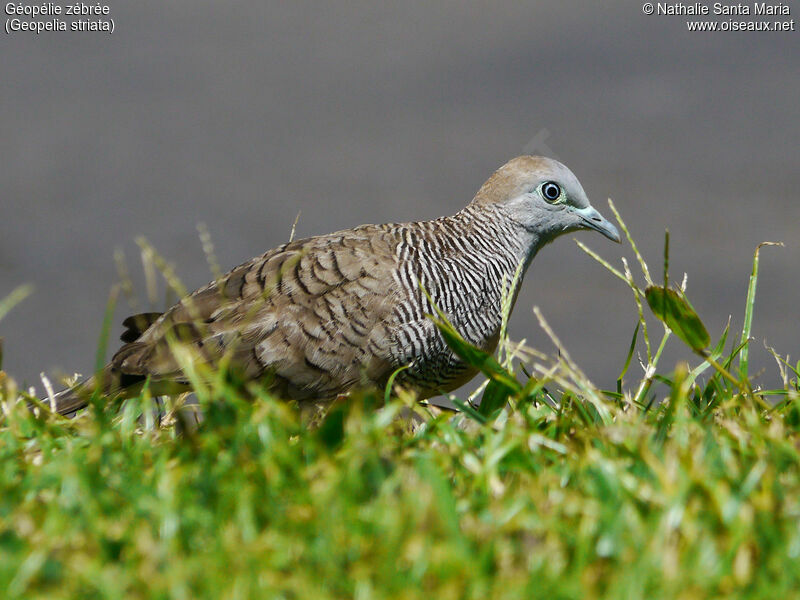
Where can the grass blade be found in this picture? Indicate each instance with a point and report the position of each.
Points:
(748, 311)
(494, 399)
(469, 410)
(631, 349)
(105, 332)
(476, 357)
(387, 392)
(15, 297)
(677, 313)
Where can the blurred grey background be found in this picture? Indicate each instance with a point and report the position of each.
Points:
(242, 114)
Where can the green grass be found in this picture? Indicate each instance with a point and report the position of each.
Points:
(684, 484)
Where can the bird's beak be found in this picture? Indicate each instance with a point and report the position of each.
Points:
(594, 220)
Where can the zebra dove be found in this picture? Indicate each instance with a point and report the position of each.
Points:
(317, 317)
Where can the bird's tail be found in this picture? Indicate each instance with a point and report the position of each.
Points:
(109, 382)
(69, 401)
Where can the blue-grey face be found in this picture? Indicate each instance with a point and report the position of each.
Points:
(544, 197)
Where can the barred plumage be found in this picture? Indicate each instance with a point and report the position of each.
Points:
(316, 317)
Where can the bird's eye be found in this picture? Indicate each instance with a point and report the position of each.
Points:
(551, 191)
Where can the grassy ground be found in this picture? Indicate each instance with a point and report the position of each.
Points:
(684, 484)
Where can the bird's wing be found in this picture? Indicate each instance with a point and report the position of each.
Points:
(136, 325)
(314, 314)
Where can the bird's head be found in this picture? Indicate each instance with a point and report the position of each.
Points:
(544, 197)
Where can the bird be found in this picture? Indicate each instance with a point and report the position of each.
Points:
(316, 318)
